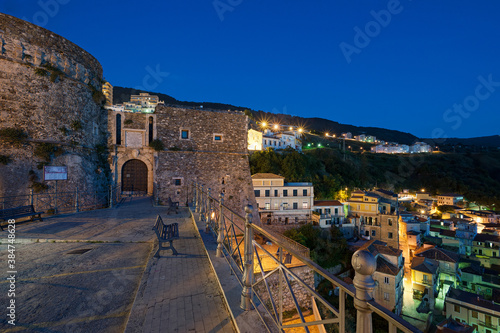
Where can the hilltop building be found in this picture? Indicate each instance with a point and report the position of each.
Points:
(142, 103)
(280, 137)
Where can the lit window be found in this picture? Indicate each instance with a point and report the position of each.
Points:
(268, 205)
(185, 134)
(305, 205)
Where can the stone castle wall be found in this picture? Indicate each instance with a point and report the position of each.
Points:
(60, 110)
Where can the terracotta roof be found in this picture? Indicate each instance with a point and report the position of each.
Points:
(450, 325)
(486, 237)
(378, 247)
(471, 298)
(327, 203)
(386, 267)
(448, 233)
(440, 255)
(266, 176)
(425, 265)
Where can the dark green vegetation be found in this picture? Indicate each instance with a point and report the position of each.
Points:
(5, 159)
(13, 135)
(157, 145)
(328, 247)
(476, 176)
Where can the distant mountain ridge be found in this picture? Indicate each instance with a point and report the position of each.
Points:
(121, 94)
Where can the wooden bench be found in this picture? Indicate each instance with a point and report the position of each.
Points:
(172, 205)
(17, 212)
(165, 233)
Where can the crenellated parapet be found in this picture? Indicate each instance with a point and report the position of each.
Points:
(25, 42)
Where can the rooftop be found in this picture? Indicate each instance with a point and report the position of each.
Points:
(486, 237)
(450, 325)
(327, 203)
(386, 267)
(378, 247)
(440, 255)
(266, 176)
(425, 265)
(474, 299)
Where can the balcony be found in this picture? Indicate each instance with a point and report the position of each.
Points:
(487, 324)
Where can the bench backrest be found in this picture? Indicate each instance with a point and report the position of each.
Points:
(166, 231)
(17, 211)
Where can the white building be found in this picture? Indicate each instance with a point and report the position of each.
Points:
(279, 138)
(282, 203)
(254, 140)
(143, 103)
(420, 147)
(331, 212)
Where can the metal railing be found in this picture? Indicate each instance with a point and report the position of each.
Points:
(65, 202)
(274, 282)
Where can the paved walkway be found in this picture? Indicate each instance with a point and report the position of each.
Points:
(180, 293)
(136, 292)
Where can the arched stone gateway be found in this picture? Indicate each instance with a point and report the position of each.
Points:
(135, 176)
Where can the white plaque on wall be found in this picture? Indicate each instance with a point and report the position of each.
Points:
(133, 139)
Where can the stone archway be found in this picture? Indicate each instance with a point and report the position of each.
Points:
(135, 176)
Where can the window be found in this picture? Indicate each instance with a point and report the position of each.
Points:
(184, 134)
(426, 278)
(257, 193)
(336, 211)
(285, 193)
(177, 181)
(386, 296)
(386, 279)
(476, 328)
(118, 129)
(464, 283)
(295, 205)
(493, 254)
(150, 130)
(218, 137)
(305, 205)
(294, 193)
(285, 205)
(304, 193)
(373, 232)
(275, 193)
(268, 205)
(268, 193)
(456, 308)
(480, 251)
(389, 221)
(389, 235)
(474, 314)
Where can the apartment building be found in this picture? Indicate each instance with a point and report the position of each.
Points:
(449, 272)
(425, 279)
(470, 308)
(376, 217)
(388, 275)
(449, 199)
(280, 202)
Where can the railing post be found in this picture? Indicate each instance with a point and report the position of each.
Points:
(364, 264)
(246, 294)
(77, 207)
(194, 194)
(198, 199)
(220, 236)
(31, 196)
(110, 195)
(208, 210)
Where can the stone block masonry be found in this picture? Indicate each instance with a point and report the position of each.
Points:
(209, 147)
(47, 90)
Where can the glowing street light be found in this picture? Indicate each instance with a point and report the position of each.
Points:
(263, 124)
(290, 128)
(276, 126)
(326, 134)
(300, 130)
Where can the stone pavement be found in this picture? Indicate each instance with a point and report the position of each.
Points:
(115, 284)
(180, 293)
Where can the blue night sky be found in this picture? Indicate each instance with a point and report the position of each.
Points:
(329, 59)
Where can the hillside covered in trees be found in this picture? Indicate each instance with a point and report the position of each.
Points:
(476, 176)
